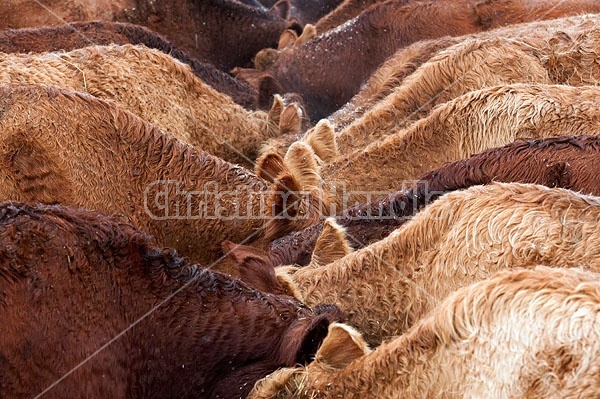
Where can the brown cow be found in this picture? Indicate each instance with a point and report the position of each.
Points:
(71, 148)
(519, 334)
(90, 307)
(567, 162)
(329, 69)
(405, 61)
(157, 88)
(566, 56)
(224, 33)
(83, 34)
(461, 238)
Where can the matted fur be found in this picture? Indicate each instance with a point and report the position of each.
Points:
(360, 46)
(225, 33)
(71, 280)
(461, 238)
(566, 162)
(157, 88)
(519, 334)
(72, 148)
(455, 130)
(405, 61)
(83, 34)
(561, 56)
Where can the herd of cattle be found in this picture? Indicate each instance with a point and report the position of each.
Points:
(300, 198)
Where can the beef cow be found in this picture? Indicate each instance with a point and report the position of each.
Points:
(157, 88)
(455, 130)
(461, 238)
(565, 56)
(225, 33)
(567, 162)
(71, 148)
(405, 61)
(358, 47)
(83, 34)
(522, 333)
(91, 308)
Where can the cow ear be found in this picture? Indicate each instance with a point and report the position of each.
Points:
(269, 165)
(253, 267)
(281, 9)
(331, 244)
(284, 277)
(341, 346)
(287, 38)
(282, 205)
(308, 33)
(322, 140)
(301, 161)
(268, 87)
(290, 120)
(274, 114)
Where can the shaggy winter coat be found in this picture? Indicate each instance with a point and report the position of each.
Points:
(83, 34)
(566, 162)
(225, 33)
(74, 149)
(519, 334)
(469, 124)
(329, 69)
(153, 86)
(405, 61)
(461, 238)
(565, 56)
(90, 307)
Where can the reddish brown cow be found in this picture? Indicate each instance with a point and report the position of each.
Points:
(461, 238)
(565, 56)
(183, 106)
(225, 33)
(87, 297)
(82, 34)
(455, 130)
(329, 69)
(567, 162)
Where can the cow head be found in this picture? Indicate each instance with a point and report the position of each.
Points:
(341, 346)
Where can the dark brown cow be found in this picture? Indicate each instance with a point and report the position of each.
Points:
(567, 162)
(86, 297)
(224, 33)
(329, 69)
(82, 34)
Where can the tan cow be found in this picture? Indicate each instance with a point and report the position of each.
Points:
(519, 334)
(159, 89)
(469, 124)
(461, 238)
(566, 56)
